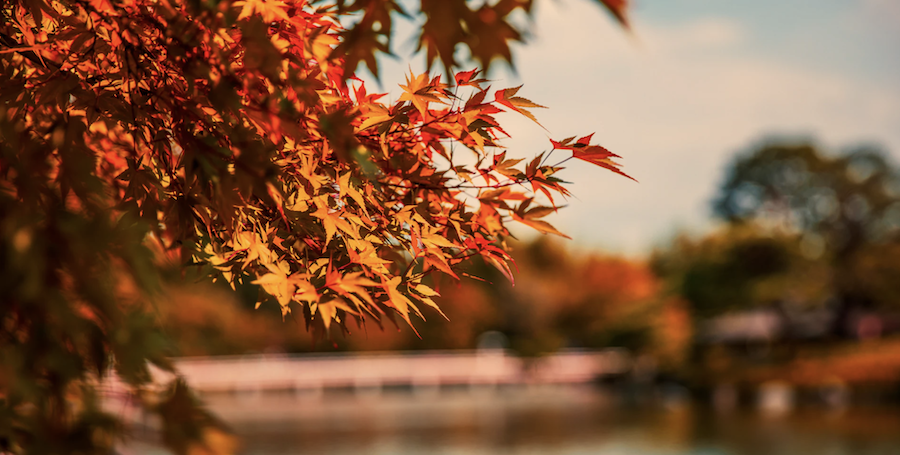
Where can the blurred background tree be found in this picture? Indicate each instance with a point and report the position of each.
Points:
(843, 208)
(805, 260)
(739, 268)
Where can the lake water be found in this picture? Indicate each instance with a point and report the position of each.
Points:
(566, 421)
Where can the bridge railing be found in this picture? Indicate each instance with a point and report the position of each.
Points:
(415, 369)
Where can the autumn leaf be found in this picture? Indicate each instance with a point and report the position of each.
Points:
(327, 310)
(600, 156)
(619, 9)
(332, 221)
(400, 302)
(540, 225)
(507, 98)
(490, 34)
(539, 212)
(591, 153)
(423, 293)
(376, 115)
(503, 194)
(286, 287)
(269, 10)
(500, 264)
(349, 284)
(435, 258)
(505, 167)
(467, 78)
(420, 91)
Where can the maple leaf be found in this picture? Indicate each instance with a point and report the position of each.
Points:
(490, 34)
(619, 9)
(540, 225)
(349, 283)
(269, 10)
(539, 212)
(595, 154)
(464, 78)
(424, 293)
(364, 253)
(507, 98)
(600, 156)
(400, 302)
(443, 30)
(376, 115)
(286, 287)
(362, 43)
(434, 257)
(332, 220)
(505, 167)
(504, 194)
(255, 247)
(420, 91)
(328, 310)
(500, 260)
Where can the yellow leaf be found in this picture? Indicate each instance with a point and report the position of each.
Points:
(436, 240)
(268, 10)
(326, 311)
(377, 114)
(429, 302)
(397, 300)
(540, 212)
(420, 92)
(346, 188)
(342, 305)
(351, 282)
(436, 258)
(541, 226)
(296, 201)
(425, 290)
(278, 286)
(506, 97)
(329, 221)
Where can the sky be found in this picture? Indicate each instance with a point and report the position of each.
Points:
(694, 83)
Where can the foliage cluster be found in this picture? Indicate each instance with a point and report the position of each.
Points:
(149, 141)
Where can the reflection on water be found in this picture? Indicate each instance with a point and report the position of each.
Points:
(544, 421)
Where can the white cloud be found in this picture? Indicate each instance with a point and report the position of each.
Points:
(700, 35)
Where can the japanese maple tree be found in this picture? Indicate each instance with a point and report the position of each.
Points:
(230, 140)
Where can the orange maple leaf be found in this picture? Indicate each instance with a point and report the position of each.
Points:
(595, 154)
(507, 98)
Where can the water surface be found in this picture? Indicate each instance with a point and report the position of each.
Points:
(566, 421)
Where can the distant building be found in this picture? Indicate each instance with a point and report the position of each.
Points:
(767, 325)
